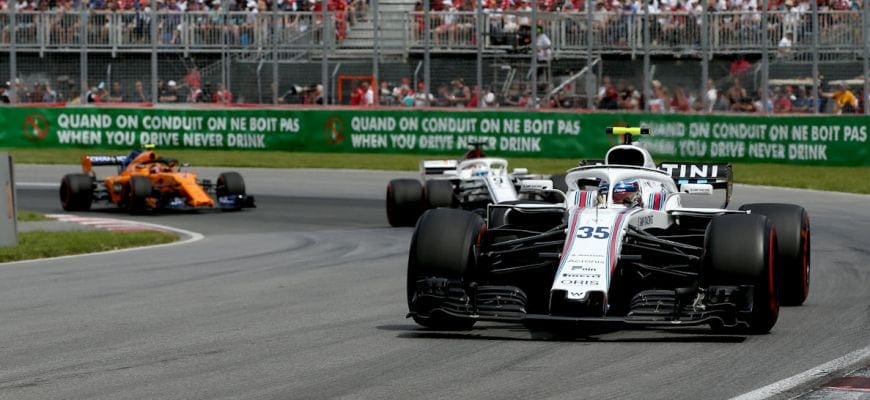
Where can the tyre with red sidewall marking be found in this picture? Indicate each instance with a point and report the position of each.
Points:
(792, 224)
(442, 247)
(741, 250)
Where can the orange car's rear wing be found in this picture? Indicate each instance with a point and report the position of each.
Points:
(89, 162)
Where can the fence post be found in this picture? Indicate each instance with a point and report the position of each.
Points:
(535, 103)
(13, 68)
(705, 56)
(479, 39)
(376, 10)
(427, 88)
(765, 58)
(274, 41)
(83, 53)
(225, 44)
(818, 99)
(866, 41)
(328, 39)
(647, 81)
(152, 31)
(590, 77)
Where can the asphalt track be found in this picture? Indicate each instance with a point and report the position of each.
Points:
(303, 297)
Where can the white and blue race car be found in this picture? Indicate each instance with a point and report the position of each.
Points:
(470, 183)
(618, 249)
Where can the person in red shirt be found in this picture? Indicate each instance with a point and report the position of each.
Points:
(340, 8)
(356, 95)
(193, 78)
(222, 95)
(680, 101)
(783, 101)
(474, 99)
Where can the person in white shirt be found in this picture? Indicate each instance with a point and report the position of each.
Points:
(543, 44)
(712, 95)
(369, 97)
(784, 47)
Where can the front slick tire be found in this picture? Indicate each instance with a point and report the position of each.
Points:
(442, 247)
(792, 225)
(741, 250)
(138, 193)
(230, 184)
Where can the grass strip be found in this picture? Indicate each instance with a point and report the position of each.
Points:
(840, 179)
(31, 216)
(42, 244)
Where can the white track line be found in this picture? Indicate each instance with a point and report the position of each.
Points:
(191, 237)
(851, 359)
(112, 224)
(37, 185)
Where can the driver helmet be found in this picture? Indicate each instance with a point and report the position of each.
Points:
(480, 170)
(626, 192)
(603, 188)
(155, 168)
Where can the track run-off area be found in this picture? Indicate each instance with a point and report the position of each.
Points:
(304, 297)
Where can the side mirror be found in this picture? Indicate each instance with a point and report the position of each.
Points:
(521, 171)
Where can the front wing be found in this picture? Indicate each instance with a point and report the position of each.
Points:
(725, 306)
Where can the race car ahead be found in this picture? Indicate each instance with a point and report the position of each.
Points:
(470, 183)
(146, 182)
(619, 250)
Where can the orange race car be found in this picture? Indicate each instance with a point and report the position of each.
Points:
(146, 182)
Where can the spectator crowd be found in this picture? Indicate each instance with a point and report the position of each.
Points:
(188, 89)
(729, 95)
(617, 22)
(204, 22)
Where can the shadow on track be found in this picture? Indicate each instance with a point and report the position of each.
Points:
(509, 332)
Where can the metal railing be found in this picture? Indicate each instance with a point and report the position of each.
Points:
(613, 33)
(131, 31)
(236, 49)
(670, 32)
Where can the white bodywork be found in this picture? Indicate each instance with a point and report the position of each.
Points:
(491, 171)
(596, 226)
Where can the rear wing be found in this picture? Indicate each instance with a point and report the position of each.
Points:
(97, 161)
(437, 167)
(719, 176)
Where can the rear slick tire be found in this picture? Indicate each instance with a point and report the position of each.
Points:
(76, 192)
(404, 202)
(440, 193)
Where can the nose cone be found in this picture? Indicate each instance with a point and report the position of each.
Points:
(200, 202)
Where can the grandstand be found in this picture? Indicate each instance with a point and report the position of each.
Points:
(661, 55)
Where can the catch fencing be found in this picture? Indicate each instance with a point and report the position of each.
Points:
(273, 56)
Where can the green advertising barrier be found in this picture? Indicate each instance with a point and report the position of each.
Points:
(811, 140)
